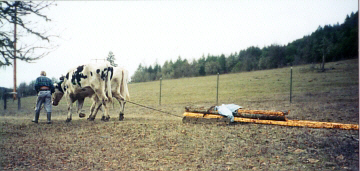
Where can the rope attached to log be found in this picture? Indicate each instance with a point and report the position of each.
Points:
(154, 109)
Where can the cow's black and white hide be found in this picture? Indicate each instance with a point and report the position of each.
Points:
(89, 80)
(119, 90)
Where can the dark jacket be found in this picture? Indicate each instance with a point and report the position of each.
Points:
(44, 81)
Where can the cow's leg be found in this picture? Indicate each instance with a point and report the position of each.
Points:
(68, 119)
(122, 111)
(98, 106)
(103, 118)
(122, 105)
(80, 104)
(105, 101)
(106, 108)
(69, 103)
(94, 108)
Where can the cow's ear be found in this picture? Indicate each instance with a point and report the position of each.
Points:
(61, 78)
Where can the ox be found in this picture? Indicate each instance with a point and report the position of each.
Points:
(119, 90)
(86, 81)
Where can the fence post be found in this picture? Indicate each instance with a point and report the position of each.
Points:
(217, 90)
(4, 97)
(19, 101)
(160, 92)
(290, 83)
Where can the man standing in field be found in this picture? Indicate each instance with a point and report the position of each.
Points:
(44, 87)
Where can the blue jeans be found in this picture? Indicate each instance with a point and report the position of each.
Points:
(43, 97)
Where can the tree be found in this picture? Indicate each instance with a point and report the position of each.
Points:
(167, 70)
(111, 59)
(212, 67)
(178, 68)
(193, 68)
(201, 66)
(139, 74)
(290, 52)
(14, 13)
(326, 47)
(328, 43)
(22, 89)
(157, 72)
(27, 90)
(231, 62)
(222, 63)
(31, 88)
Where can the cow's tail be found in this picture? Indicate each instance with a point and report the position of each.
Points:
(108, 83)
(125, 82)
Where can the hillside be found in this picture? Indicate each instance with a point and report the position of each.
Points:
(264, 89)
(329, 43)
(151, 140)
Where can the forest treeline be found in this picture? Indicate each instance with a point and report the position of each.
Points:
(336, 42)
(23, 89)
(331, 43)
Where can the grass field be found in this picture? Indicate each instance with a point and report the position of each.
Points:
(150, 140)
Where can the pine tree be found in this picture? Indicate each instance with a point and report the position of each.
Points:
(111, 59)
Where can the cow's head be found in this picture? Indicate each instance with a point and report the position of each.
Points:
(59, 92)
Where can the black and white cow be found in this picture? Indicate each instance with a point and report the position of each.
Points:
(119, 90)
(91, 80)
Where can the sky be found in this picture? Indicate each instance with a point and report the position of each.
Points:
(146, 32)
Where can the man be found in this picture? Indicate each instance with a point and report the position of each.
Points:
(44, 87)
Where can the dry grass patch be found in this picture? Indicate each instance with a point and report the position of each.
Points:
(150, 140)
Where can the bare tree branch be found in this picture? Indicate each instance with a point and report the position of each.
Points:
(13, 13)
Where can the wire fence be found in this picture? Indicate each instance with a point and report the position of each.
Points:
(8, 105)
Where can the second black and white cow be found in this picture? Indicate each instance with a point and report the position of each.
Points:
(119, 90)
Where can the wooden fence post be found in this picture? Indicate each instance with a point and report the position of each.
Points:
(160, 92)
(290, 83)
(217, 90)
(4, 98)
(19, 101)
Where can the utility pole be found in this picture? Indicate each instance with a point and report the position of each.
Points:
(98, 59)
(14, 95)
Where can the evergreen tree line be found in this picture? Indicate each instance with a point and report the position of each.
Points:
(328, 43)
(23, 89)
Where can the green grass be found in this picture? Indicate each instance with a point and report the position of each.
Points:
(150, 140)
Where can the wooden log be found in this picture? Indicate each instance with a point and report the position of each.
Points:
(223, 120)
(299, 123)
(205, 110)
(263, 112)
(276, 116)
(241, 112)
(263, 117)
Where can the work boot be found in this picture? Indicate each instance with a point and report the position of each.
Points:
(49, 118)
(121, 116)
(36, 118)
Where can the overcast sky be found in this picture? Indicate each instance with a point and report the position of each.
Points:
(145, 32)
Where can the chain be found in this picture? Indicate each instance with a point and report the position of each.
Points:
(153, 109)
